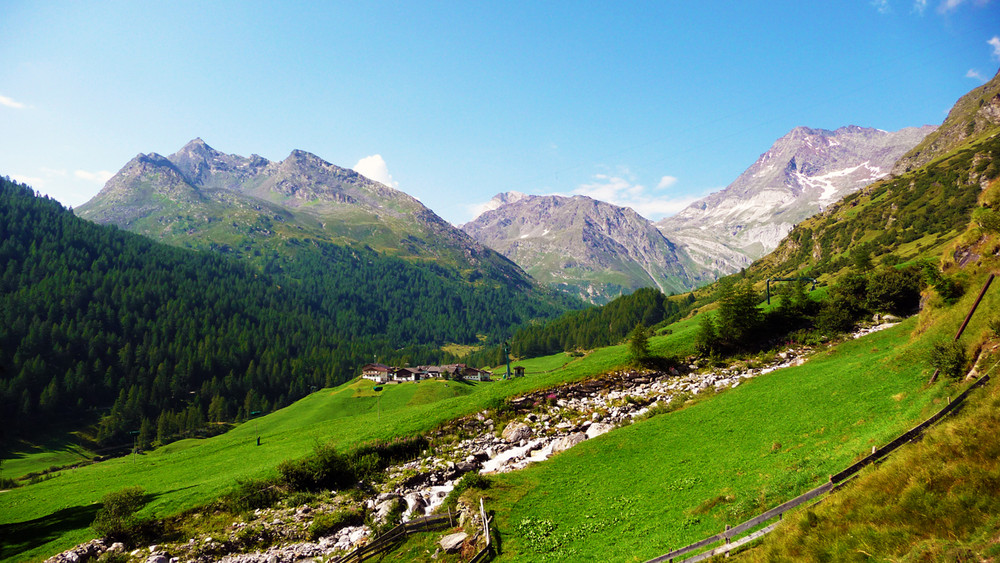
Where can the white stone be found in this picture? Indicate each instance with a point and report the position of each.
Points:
(453, 542)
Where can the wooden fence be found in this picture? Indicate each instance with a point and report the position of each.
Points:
(835, 481)
(397, 535)
(487, 552)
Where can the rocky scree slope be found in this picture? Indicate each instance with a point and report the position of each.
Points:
(800, 175)
(586, 247)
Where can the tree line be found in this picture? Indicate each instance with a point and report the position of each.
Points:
(101, 325)
(739, 325)
(590, 328)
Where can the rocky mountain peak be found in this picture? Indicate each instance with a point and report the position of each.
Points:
(803, 171)
(203, 195)
(587, 247)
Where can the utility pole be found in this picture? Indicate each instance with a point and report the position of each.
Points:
(506, 357)
(135, 444)
(378, 401)
(255, 431)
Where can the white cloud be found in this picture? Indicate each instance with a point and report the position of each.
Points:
(947, 6)
(32, 181)
(919, 6)
(973, 73)
(995, 43)
(666, 182)
(474, 210)
(622, 190)
(374, 168)
(100, 177)
(882, 6)
(5, 101)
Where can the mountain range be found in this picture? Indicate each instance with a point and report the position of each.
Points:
(596, 250)
(588, 248)
(251, 206)
(801, 174)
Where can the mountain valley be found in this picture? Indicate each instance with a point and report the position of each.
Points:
(278, 279)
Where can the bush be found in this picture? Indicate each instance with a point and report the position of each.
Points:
(834, 318)
(324, 469)
(471, 480)
(251, 495)
(638, 344)
(987, 219)
(117, 520)
(254, 536)
(950, 358)
(895, 291)
(329, 523)
(994, 325)
(707, 339)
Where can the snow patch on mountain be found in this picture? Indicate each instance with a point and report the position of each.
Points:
(802, 173)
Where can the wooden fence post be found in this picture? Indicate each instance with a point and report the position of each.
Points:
(968, 318)
(486, 523)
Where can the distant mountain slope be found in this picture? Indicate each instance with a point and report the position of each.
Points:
(902, 218)
(801, 174)
(250, 206)
(917, 213)
(974, 115)
(93, 318)
(588, 248)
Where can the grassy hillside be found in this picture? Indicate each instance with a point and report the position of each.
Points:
(662, 483)
(40, 519)
(935, 500)
(104, 332)
(915, 215)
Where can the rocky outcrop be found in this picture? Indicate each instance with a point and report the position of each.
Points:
(516, 432)
(453, 542)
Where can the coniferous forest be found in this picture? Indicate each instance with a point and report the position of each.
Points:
(590, 328)
(98, 325)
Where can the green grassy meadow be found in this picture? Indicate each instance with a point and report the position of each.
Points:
(659, 484)
(55, 450)
(632, 494)
(39, 520)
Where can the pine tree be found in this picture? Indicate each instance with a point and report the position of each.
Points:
(638, 344)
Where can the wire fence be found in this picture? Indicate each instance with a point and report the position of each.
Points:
(835, 481)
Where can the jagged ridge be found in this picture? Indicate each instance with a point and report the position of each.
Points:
(591, 248)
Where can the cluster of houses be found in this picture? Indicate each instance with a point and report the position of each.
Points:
(381, 373)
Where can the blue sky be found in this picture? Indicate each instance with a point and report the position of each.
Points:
(646, 104)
